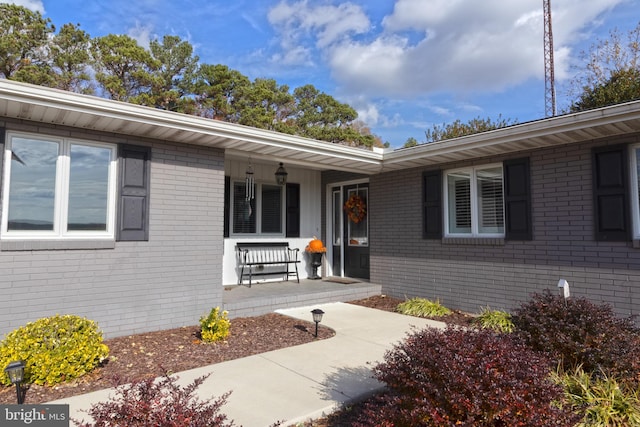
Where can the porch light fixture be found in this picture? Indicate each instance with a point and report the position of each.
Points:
(281, 175)
(317, 318)
(15, 372)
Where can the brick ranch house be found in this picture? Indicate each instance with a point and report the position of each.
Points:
(131, 215)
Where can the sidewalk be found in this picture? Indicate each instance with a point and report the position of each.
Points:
(302, 382)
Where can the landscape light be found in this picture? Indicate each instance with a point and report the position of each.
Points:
(317, 318)
(15, 371)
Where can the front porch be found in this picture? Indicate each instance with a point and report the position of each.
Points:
(263, 298)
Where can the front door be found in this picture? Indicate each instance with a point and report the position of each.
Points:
(356, 230)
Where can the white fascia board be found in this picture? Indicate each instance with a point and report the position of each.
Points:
(536, 129)
(365, 161)
(131, 113)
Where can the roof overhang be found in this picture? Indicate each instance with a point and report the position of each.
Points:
(617, 120)
(56, 107)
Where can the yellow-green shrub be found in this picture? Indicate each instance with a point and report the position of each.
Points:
(215, 326)
(497, 320)
(54, 349)
(601, 400)
(421, 307)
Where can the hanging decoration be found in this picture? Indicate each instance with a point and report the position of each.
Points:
(356, 208)
(249, 183)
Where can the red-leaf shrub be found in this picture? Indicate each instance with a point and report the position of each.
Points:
(577, 332)
(161, 403)
(457, 377)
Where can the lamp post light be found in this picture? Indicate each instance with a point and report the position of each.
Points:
(15, 371)
(317, 318)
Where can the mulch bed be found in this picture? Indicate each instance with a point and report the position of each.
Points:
(174, 350)
(386, 303)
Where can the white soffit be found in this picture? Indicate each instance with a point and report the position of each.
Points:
(605, 122)
(45, 105)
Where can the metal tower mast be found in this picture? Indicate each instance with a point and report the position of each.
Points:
(549, 83)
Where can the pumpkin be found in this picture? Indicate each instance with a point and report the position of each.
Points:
(316, 245)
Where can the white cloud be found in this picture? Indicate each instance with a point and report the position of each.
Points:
(35, 5)
(143, 34)
(300, 23)
(296, 55)
(427, 46)
(376, 64)
(441, 111)
(251, 21)
(465, 46)
(369, 114)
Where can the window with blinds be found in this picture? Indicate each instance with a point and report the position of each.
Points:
(475, 201)
(459, 203)
(263, 214)
(244, 218)
(490, 201)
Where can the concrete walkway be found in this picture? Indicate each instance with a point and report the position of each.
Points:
(302, 382)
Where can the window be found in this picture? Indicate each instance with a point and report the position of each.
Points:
(260, 215)
(58, 188)
(474, 201)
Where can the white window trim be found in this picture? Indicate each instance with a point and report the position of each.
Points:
(635, 191)
(61, 192)
(472, 171)
(258, 201)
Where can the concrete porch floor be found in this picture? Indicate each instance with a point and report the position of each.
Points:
(263, 298)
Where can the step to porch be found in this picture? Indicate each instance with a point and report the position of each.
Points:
(263, 298)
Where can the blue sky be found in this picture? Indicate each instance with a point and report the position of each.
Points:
(404, 65)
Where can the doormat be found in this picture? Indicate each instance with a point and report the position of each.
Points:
(343, 280)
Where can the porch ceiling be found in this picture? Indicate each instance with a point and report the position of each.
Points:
(44, 105)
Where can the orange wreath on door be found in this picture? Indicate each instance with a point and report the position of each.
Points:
(355, 208)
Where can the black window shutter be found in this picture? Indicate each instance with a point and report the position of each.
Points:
(227, 200)
(517, 199)
(293, 210)
(432, 204)
(610, 199)
(134, 180)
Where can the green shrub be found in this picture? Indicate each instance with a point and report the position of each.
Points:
(602, 401)
(421, 307)
(54, 349)
(497, 320)
(577, 332)
(215, 326)
(458, 377)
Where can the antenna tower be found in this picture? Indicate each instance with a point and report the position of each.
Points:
(549, 83)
